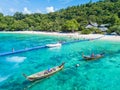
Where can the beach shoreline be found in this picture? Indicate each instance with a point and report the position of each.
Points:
(71, 35)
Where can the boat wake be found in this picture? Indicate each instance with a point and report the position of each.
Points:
(16, 59)
(54, 48)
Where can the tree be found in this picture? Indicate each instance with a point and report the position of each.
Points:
(92, 18)
(71, 25)
(85, 31)
(113, 0)
(114, 20)
(29, 21)
(115, 28)
(1, 15)
(19, 25)
(19, 16)
(74, 18)
(2, 26)
(119, 14)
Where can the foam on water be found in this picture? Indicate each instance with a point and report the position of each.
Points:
(16, 59)
(3, 78)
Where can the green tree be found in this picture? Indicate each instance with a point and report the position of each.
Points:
(3, 26)
(85, 31)
(19, 16)
(74, 18)
(19, 26)
(1, 15)
(115, 20)
(71, 25)
(115, 28)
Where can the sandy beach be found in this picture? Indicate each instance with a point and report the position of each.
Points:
(73, 35)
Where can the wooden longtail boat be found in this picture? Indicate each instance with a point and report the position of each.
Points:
(45, 73)
(93, 57)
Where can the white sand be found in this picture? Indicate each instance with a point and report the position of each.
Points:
(73, 35)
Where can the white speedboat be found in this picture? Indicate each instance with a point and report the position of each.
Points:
(54, 45)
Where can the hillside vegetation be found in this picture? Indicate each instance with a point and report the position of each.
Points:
(71, 19)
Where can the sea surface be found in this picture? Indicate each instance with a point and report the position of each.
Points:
(101, 74)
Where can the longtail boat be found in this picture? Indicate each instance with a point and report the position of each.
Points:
(45, 73)
(93, 57)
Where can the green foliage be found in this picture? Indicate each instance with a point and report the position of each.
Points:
(1, 15)
(96, 31)
(19, 26)
(2, 26)
(115, 28)
(19, 16)
(115, 20)
(71, 19)
(70, 25)
(85, 31)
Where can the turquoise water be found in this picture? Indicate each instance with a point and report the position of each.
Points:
(102, 74)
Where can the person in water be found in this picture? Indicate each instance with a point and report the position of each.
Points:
(13, 50)
(49, 70)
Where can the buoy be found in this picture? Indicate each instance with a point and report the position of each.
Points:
(77, 65)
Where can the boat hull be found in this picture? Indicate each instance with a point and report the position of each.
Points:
(45, 73)
(38, 78)
(92, 58)
(53, 45)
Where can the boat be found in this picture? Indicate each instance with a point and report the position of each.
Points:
(54, 45)
(93, 57)
(44, 74)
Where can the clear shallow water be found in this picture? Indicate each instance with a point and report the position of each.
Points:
(102, 74)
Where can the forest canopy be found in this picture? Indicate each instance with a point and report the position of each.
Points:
(71, 19)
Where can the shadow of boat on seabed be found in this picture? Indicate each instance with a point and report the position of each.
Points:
(29, 84)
